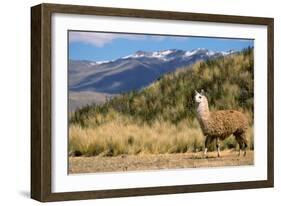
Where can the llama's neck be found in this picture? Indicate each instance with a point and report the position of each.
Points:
(203, 110)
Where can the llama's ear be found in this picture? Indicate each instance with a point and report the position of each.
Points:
(202, 92)
(196, 92)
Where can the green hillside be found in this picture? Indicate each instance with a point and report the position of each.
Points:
(161, 118)
(227, 81)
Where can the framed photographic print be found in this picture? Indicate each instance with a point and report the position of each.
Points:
(130, 102)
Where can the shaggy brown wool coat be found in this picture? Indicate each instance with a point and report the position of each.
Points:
(224, 123)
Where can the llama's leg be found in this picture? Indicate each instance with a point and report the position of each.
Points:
(240, 146)
(245, 142)
(205, 151)
(240, 142)
(207, 143)
(218, 146)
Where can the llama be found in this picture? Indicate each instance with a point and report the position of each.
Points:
(218, 125)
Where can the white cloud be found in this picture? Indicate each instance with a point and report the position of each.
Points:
(97, 39)
(100, 39)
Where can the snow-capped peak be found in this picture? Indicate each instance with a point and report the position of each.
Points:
(167, 52)
(162, 54)
(190, 53)
(170, 54)
(157, 54)
(137, 54)
(194, 51)
(103, 62)
(211, 53)
(224, 53)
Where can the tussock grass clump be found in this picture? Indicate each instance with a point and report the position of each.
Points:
(114, 138)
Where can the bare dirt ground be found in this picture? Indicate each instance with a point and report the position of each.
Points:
(156, 162)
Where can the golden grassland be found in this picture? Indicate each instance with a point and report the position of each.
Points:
(123, 136)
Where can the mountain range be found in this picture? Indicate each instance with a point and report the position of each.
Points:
(93, 81)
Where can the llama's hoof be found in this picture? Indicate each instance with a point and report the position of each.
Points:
(239, 153)
(219, 154)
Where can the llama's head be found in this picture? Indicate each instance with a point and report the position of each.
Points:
(200, 97)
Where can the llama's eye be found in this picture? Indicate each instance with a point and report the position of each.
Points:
(199, 97)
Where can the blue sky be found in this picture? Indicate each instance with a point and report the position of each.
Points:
(97, 46)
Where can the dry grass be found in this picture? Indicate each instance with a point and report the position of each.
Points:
(115, 138)
(122, 136)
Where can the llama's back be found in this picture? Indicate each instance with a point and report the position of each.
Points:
(225, 122)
